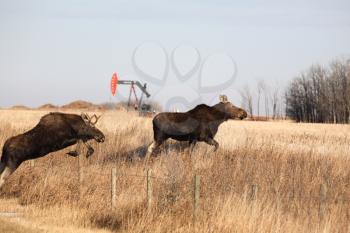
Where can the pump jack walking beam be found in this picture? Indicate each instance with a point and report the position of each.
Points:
(137, 83)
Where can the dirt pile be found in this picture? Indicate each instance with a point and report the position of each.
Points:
(80, 104)
(20, 107)
(48, 106)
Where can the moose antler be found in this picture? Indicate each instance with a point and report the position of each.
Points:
(85, 117)
(223, 98)
(95, 119)
(90, 119)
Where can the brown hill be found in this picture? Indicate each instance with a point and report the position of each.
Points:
(20, 107)
(48, 106)
(80, 104)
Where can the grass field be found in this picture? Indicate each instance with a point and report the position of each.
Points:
(287, 163)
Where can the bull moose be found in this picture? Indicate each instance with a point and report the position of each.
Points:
(198, 124)
(54, 132)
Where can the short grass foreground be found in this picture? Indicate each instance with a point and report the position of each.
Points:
(265, 177)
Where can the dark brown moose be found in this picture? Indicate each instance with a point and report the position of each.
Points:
(198, 124)
(54, 132)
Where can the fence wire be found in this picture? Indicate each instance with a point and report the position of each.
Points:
(207, 191)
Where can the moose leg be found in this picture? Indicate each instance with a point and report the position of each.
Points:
(73, 153)
(212, 142)
(159, 138)
(192, 144)
(153, 149)
(150, 149)
(2, 169)
(76, 152)
(5, 172)
(90, 150)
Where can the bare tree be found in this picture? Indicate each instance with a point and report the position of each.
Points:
(247, 100)
(275, 101)
(341, 79)
(320, 94)
(259, 87)
(266, 90)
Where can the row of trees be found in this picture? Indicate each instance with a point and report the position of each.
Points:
(264, 101)
(321, 94)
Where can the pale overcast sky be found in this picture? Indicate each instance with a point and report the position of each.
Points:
(60, 51)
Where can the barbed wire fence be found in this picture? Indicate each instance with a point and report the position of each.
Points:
(197, 192)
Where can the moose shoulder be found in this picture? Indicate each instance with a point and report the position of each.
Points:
(198, 124)
(54, 132)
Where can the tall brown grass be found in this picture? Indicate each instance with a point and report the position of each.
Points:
(287, 162)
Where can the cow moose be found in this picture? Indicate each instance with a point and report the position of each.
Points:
(198, 124)
(54, 132)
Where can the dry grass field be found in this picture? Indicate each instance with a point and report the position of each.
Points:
(287, 163)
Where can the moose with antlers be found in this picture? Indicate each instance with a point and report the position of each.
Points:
(55, 131)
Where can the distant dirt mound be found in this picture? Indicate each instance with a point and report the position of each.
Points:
(20, 107)
(48, 106)
(80, 104)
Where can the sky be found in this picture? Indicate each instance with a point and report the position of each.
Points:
(187, 51)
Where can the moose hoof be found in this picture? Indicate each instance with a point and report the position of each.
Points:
(73, 153)
(89, 152)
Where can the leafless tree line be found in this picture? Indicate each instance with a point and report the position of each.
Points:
(321, 94)
(264, 101)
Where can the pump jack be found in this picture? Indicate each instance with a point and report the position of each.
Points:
(143, 89)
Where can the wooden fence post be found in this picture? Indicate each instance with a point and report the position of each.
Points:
(81, 172)
(197, 186)
(149, 188)
(323, 198)
(81, 175)
(114, 187)
(254, 192)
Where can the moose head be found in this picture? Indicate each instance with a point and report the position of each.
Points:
(231, 111)
(90, 127)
